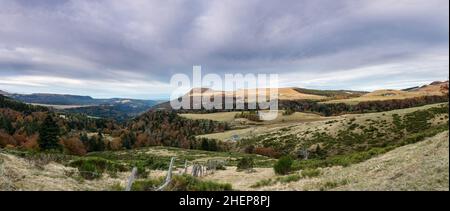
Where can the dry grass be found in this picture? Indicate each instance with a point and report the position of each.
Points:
(421, 166)
(219, 116)
(283, 94)
(241, 180)
(380, 95)
(20, 174)
(257, 128)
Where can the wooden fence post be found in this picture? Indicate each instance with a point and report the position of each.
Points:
(131, 179)
(168, 177)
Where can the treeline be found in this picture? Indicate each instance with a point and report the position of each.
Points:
(27, 127)
(250, 115)
(167, 128)
(335, 94)
(6, 102)
(332, 109)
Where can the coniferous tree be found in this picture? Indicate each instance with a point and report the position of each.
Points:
(205, 144)
(6, 125)
(48, 134)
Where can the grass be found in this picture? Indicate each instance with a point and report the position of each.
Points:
(151, 157)
(380, 96)
(357, 139)
(181, 183)
(93, 168)
(219, 116)
(308, 173)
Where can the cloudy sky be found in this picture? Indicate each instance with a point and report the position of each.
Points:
(114, 48)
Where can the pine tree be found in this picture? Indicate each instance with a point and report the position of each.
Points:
(205, 144)
(48, 134)
(6, 125)
(99, 144)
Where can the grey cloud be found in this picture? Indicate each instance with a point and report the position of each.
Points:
(154, 39)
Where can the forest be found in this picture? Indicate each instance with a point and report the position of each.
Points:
(32, 127)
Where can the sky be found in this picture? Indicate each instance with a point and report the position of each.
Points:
(113, 48)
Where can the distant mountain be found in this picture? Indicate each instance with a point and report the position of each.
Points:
(293, 94)
(284, 94)
(4, 93)
(120, 109)
(55, 99)
(62, 99)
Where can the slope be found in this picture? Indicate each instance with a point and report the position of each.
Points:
(421, 166)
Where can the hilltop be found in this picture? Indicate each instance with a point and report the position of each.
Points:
(290, 97)
(433, 89)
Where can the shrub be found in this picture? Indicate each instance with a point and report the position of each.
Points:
(288, 112)
(250, 115)
(93, 168)
(89, 171)
(6, 139)
(310, 173)
(249, 149)
(284, 165)
(190, 183)
(154, 163)
(245, 163)
(267, 151)
(147, 185)
(32, 143)
(115, 144)
(73, 146)
(180, 183)
(141, 170)
(289, 178)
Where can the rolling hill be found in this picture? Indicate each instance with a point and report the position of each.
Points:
(433, 89)
(290, 96)
(120, 109)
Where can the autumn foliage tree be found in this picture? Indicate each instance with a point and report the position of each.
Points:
(73, 146)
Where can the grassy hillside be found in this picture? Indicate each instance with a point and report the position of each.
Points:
(354, 133)
(434, 89)
(422, 166)
(419, 166)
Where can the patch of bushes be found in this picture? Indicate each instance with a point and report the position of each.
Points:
(284, 165)
(262, 183)
(245, 163)
(147, 185)
(311, 173)
(250, 115)
(208, 145)
(266, 151)
(181, 183)
(288, 112)
(289, 178)
(333, 184)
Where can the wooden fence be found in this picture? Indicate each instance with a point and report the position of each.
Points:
(198, 169)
